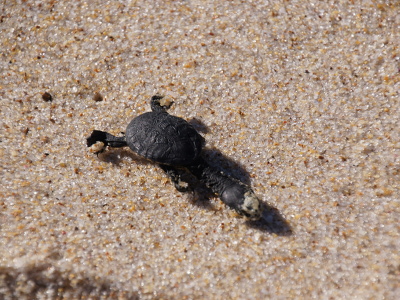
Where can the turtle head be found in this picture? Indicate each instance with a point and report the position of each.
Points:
(241, 198)
(251, 207)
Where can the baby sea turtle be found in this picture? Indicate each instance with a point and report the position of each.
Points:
(174, 144)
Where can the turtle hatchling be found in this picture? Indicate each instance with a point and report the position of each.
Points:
(174, 144)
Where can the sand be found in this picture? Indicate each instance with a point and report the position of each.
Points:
(298, 99)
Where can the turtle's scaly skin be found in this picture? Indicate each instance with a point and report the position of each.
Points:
(173, 143)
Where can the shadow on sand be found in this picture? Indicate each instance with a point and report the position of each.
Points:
(271, 221)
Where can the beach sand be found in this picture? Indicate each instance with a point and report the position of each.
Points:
(298, 99)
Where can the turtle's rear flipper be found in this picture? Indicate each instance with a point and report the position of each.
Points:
(106, 138)
(96, 136)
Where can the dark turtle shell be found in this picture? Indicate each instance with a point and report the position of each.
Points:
(164, 139)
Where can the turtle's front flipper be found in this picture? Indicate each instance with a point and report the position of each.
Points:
(98, 140)
(175, 177)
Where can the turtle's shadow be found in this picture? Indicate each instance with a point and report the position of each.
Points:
(199, 125)
(271, 220)
(116, 155)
